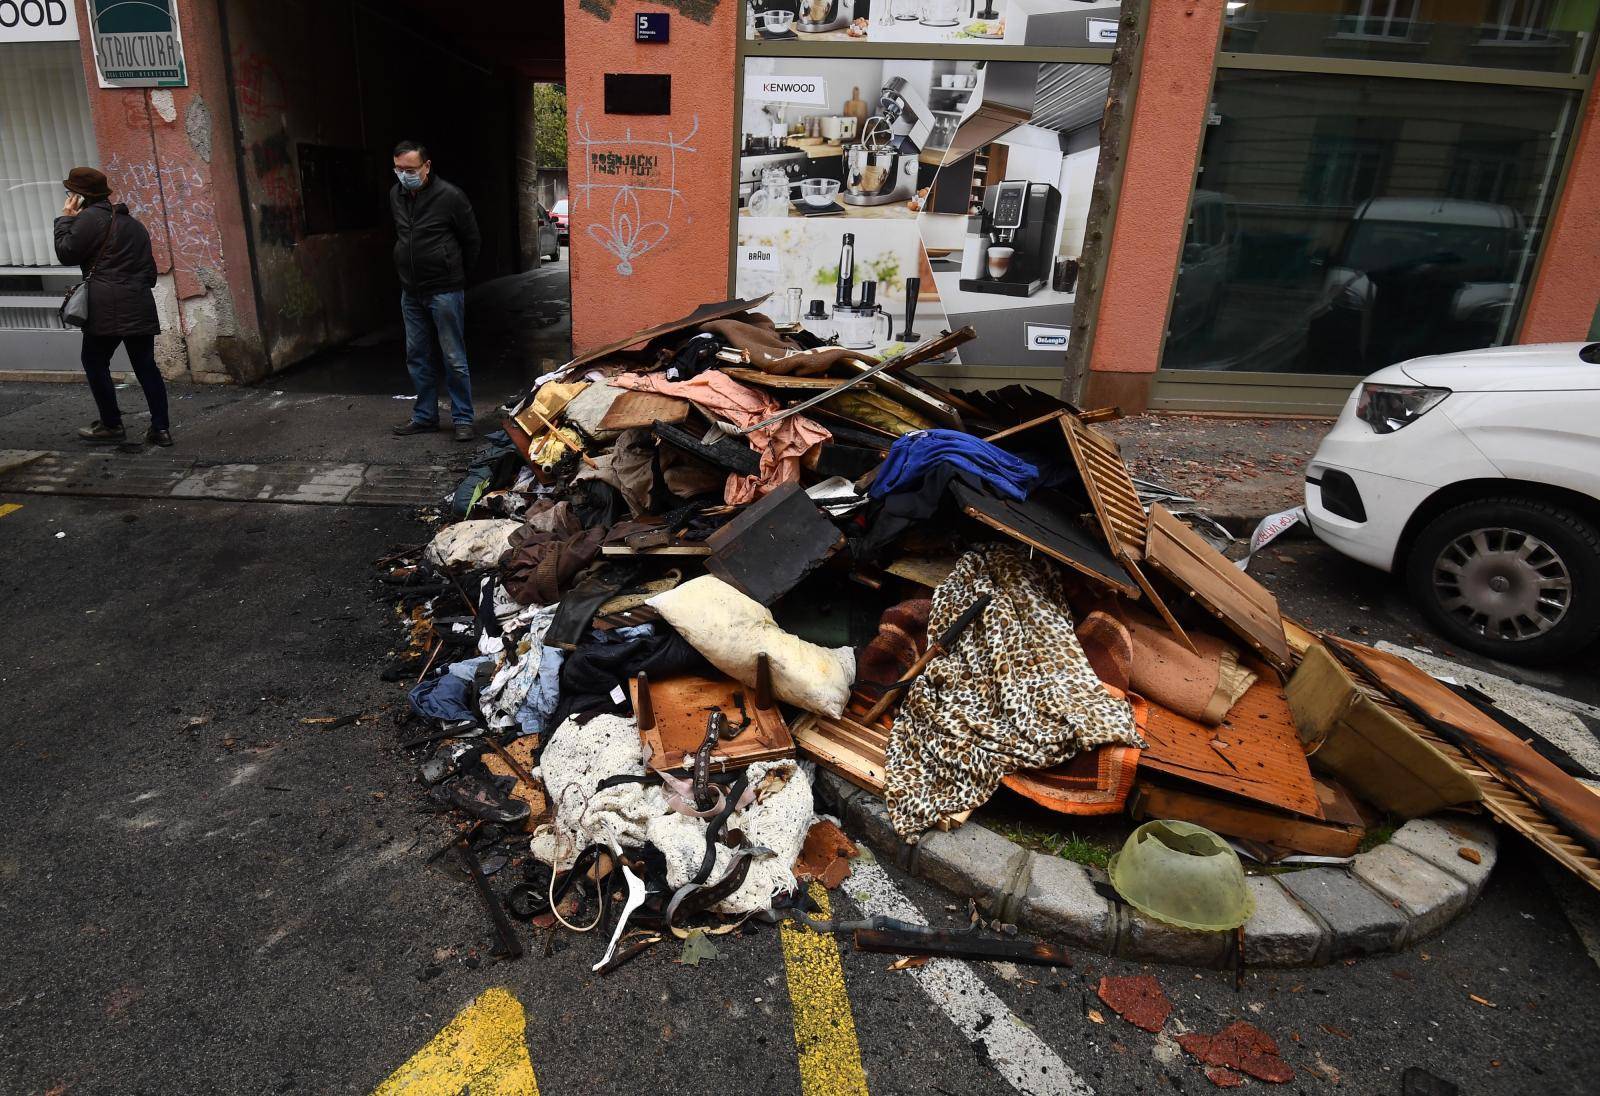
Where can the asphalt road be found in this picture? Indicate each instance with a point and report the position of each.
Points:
(203, 893)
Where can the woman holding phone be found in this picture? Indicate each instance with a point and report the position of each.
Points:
(113, 249)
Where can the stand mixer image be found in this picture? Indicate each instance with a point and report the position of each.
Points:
(882, 168)
(820, 16)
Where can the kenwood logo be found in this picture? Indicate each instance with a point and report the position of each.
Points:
(788, 87)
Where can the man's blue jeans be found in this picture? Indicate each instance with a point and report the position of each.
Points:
(435, 323)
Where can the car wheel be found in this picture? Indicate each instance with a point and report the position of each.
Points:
(1513, 579)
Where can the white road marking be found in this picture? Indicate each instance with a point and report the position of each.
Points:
(1016, 1052)
(1550, 714)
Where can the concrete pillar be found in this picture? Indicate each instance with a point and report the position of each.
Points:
(1564, 301)
(169, 155)
(527, 172)
(1162, 150)
(655, 189)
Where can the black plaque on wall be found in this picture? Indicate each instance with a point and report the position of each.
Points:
(638, 93)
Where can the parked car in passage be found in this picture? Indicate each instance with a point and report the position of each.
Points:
(562, 216)
(1476, 476)
(549, 236)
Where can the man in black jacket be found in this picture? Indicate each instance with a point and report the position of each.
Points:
(436, 241)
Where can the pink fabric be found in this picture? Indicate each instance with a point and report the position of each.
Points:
(781, 445)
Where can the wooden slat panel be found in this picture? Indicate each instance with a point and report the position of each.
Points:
(1263, 759)
(845, 748)
(1233, 597)
(1110, 488)
(1502, 801)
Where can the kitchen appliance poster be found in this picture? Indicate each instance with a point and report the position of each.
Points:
(1061, 24)
(926, 195)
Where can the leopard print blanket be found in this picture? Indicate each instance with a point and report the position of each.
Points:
(1015, 693)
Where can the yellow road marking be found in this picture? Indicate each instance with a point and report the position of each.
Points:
(824, 1027)
(482, 1052)
(9, 508)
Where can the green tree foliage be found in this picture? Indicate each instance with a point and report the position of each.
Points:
(550, 122)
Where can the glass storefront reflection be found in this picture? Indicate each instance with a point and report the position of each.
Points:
(1542, 35)
(1343, 223)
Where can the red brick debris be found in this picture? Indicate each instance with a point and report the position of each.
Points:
(1240, 1046)
(1140, 1000)
(826, 855)
(1224, 1078)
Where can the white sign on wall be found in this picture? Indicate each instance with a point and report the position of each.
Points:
(763, 257)
(1047, 336)
(38, 21)
(809, 91)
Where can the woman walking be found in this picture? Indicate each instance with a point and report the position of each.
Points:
(113, 250)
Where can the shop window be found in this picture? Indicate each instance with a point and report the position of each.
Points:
(1339, 225)
(1540, 35)
(44, 132)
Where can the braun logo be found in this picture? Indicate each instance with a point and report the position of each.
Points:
(758, 255)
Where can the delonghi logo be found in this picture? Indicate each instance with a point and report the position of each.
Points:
(1047, 336)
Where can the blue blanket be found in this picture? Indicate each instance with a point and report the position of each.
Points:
(912, 456)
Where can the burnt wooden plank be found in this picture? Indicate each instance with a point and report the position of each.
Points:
(773, 544)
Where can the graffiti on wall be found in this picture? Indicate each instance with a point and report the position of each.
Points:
(174, 204)
(257, 85)
(278, 208)
(624, 176)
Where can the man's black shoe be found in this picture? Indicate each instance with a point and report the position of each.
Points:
(465, 432)
(412, 426)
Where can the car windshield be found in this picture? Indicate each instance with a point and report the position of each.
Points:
(1472, 252)
(561, 208)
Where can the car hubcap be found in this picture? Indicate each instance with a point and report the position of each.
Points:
(1503, 583)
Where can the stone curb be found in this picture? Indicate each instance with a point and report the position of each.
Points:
(1390, 898)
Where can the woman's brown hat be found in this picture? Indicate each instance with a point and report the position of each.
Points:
(87, 181)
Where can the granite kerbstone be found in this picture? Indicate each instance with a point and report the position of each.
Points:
(1440, 840)
(1361, 921)
(1280, 933)
(1060, 901)
(1431, 898)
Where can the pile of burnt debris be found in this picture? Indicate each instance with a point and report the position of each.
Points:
(700, 562)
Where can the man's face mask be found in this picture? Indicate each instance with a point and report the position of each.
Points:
(410, 177)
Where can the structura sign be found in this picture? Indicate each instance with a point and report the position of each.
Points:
(137, 45)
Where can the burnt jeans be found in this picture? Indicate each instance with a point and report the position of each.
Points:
(435, 322)
(96, 358)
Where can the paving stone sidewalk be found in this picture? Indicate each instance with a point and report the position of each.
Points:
(1237, 470)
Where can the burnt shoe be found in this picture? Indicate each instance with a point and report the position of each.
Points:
(102, 434)
(483, 796)
(465, 432)
(162, 438)
(412, 426)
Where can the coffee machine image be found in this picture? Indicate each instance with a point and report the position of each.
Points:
(1020, 220)
(821, 16)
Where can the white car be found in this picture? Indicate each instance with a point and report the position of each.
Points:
(1477, 476)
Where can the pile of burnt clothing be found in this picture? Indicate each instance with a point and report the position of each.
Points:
(700, 562)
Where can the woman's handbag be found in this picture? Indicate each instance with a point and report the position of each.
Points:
(74, 310)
